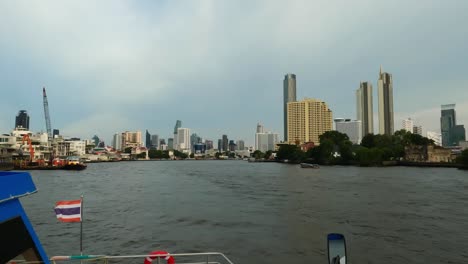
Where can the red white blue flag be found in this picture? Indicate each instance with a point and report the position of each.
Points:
(68, 211)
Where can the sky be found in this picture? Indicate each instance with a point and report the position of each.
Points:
(111, 66)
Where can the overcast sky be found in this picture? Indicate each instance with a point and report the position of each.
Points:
(110, 66)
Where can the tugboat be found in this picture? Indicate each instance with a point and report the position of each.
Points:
(74, 163)
(20, 244)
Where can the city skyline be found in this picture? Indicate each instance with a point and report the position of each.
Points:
(132, 80)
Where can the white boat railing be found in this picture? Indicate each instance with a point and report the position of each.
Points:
(193, 258)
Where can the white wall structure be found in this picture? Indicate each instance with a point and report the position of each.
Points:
(78, 147)
(352, 128)
(183, 139)
(117, 141)
(437, 137)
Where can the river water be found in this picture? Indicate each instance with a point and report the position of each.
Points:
(257, 212)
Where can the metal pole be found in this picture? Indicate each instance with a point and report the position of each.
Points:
(81, 227)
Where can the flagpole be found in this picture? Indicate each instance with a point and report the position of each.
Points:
(81, 227)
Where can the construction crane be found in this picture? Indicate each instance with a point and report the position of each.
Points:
(46, 114)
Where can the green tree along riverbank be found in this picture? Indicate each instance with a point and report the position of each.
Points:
(336, 149)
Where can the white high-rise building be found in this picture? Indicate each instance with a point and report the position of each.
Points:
(117, 141)
(437, 137)
(352, 128)
(183, 139)
(266, 141)
(407, 125)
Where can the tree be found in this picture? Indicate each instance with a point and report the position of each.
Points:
(268, 154)
(463, 158)
(257, 154)
(290, 152)
(334, 136)
(217, 154)
(155, 154)
(142, 155)
(232, 155)
(368, 141)
(192, 155)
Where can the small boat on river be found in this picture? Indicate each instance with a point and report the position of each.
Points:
(309, 166)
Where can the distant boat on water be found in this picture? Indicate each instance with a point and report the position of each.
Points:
(309, 166)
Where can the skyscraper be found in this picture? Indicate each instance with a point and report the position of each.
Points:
(232, 145)
(417, 130)
(209, 144)
(170, 143)
(55, 132)
(183, 139)
(131, 139)
(307, 120)
(240, 144)
(452, 133)
(364, 110)
(176, 127)
(117, 141)
(22, 119)
(155, 141)
(225, 143)
(220, 145)
(289, 95)
(385, 86)
(259, 128)
(266, 141)
(147, 139)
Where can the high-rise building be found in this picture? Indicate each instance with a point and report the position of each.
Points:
(447, 123)
(183, 139)
(417, 130)
(131, 139)
(155, 141)
(259, 128)
(176, 127)
(209, 144)
(22, 119)
(437, 137)
(240, 144)
(55, 133)
(266, 141)
(170, 143)
(232, 145)
(117, 141)
(148, 139)
(407, 124)
(195, 139)
(459, 134)
(307, 120)
(225, 143)
(385, 86)
(352, 128)
(220, 145)
(365, 108)
(289, 95)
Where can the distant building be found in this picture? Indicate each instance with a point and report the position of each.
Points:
(194, 139)
(364, 108)
(240, 145)
(170, 143)
(176, 128)
(183, 139)
(131, 139)
(266, 141)
(117, 141)
(459, 134)
(55, 133)
(77, 147)
(407, 124)
(352, 128)
(437, 137)
(155, 141)
(232, 145)
(259, 128)
(220, 145)
(199, 148)
(148, 139)
(162, 141)
(225, 143)
(463, 145)
(452, 133)
(289, 95)
(385, 85)
(307, 120)
(209, 144)
(417, 130)
(22, 120)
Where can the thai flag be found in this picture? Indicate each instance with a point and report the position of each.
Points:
(68, 211)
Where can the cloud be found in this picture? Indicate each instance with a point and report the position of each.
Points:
(217, 64)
